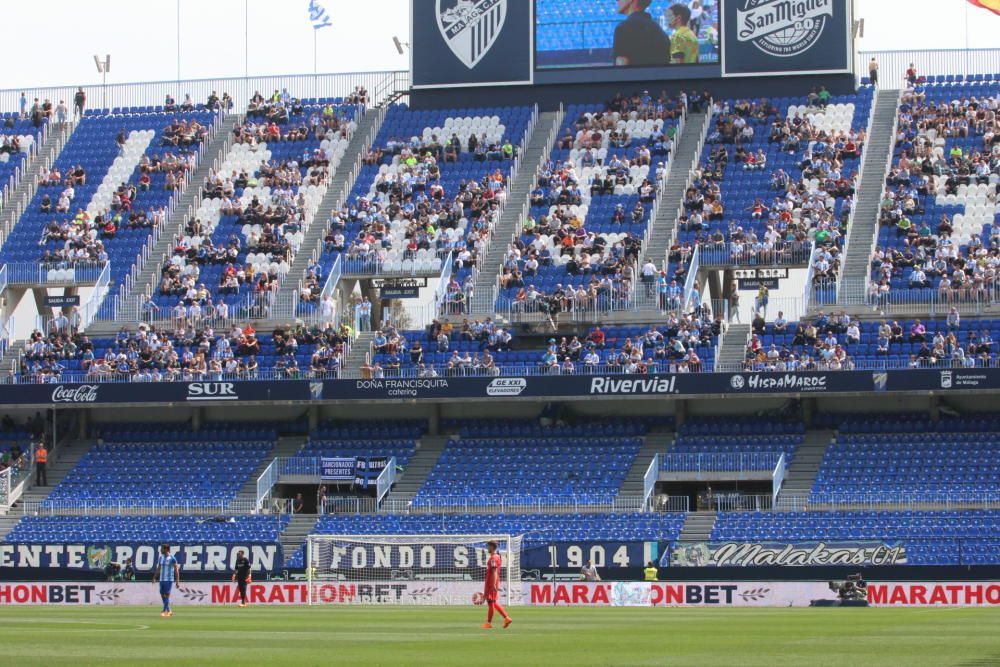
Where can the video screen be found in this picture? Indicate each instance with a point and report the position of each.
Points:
(625, 33)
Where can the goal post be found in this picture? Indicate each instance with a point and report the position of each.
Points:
(408, 569)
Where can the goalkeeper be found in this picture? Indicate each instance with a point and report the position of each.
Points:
(491, 587)
(242, 576)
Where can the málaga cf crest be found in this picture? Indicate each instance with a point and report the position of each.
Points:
(471, 27)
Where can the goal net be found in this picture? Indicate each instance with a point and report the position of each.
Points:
(408, 569)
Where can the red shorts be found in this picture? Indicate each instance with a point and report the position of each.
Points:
(490, 595)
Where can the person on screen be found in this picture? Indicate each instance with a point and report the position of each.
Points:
(684, 42)
(639, 41)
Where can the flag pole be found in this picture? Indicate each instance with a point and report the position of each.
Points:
(316, 66)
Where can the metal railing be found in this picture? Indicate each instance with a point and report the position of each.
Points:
(514, 504)
(58, 273)
(118, 507)
(851, 287)
(926, 302)
(855, 502)
(929, 62)
(650, 477)
(121, 97)
(726, 255)
(709, 463)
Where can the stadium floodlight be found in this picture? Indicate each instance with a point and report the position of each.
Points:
(399, 44)
(408, 569)
(103, 67)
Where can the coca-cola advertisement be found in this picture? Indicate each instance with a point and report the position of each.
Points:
(84, 393)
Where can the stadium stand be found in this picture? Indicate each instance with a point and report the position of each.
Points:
(954, 342)
(243, 237)
(216, 463)
(151, 355)
(108, 190)
(775, 176)
(953, 459)
(937, 238)
(482, 348)
(579, 247)
(383, 438)
(739, 436)
(174, 529)
(17, 136)
(930, 538)
(431, 187)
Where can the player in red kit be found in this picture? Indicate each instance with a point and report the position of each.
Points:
(491, 587)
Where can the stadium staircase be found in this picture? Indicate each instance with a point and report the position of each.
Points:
(149, 275)
(429, 450)
(295, 533)
(61, 461)
(686, 156)
(864, 224)
(287, 447)
(535, 153)
(11, 357)
(336, 194)
(655, 442)
(698, 527)
(801, 474)
(25, 190)
(358, 353)
(733, 348)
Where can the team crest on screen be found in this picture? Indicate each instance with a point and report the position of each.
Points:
(783, 28)
(471, 27)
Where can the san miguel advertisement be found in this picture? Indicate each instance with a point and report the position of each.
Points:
(780, 37)
(800, 554)
(593, 594)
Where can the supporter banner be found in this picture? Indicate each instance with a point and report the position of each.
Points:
(338, 468)
(367, 469)
(471, 42)
(780, 37)
(497, 388)
(603, 594)
(602, 555)
(264, 557)
(800, 554)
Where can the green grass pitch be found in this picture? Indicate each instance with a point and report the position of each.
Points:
(552, 636)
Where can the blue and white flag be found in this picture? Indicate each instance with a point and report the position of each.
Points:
(318, 16)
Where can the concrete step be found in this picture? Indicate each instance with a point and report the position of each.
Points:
(429, 450)
(341, 182)
(698, 526)
(652, 444)
(535, 153)
(686, 156)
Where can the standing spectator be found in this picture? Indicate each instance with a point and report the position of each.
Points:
(80, 102)
(320, 498)
(41, 462)
(24, 107)
(62, 112)
(911, 74)
(298, 504)
(589, 573)
(873, 71)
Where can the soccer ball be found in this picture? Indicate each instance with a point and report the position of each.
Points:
(478, 598)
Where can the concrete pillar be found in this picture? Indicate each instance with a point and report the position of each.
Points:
(434, 420)
(680, 413)
(935, 408)
(808, 411)
(313, 414)
(81, 424)
(197, 419)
